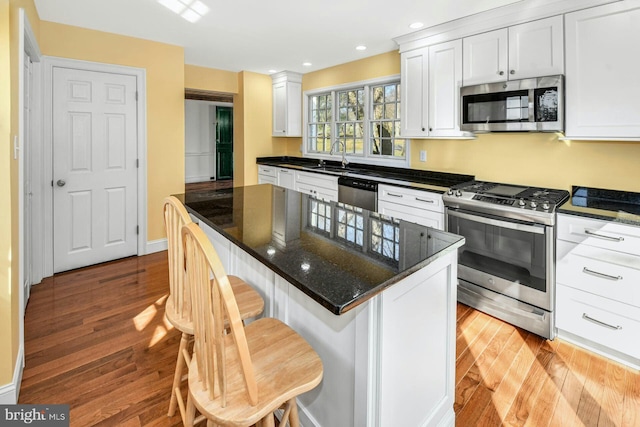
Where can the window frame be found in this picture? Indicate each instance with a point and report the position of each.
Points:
(366, 157)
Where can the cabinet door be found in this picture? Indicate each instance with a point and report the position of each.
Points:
(407, 213)
(280, 109)
(286, 178)
(485, 58)
(445, 78)
(602, 90)
(536, 49)
(414, 91)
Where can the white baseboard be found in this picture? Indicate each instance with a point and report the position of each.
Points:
(9, 392)
(156, 246)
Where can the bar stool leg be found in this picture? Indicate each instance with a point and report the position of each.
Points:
(294, 421)
(177, 377)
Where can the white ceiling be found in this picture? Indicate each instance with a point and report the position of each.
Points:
(258, 35)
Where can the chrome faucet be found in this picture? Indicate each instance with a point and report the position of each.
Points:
(345, 162)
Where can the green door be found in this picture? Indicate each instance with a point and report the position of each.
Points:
(224, 142)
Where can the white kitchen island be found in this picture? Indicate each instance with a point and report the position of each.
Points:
(375, 297)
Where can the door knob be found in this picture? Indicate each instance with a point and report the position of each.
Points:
(60, 183)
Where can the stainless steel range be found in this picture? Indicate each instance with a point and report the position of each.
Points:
(506, 267)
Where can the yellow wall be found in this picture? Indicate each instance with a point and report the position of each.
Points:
(210, 79)
(9, 214)
(164, 65)
(538, 159)
(252, 127)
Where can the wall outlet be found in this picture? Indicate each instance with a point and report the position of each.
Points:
(423, 155)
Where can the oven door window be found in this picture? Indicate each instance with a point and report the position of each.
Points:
(514, 255)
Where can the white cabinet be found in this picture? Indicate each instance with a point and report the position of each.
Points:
(321, 186)
(532, 49)
(286, 178)
(267, 175)
(597, 292)
(422, 207)
(431, 78)
(414, 75)
(287, 104)
(602, 91)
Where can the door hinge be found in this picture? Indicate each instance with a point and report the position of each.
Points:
(136, 95)
(52, 183)
(137, 229)
(137, 163)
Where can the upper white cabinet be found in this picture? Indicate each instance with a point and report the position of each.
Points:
(601, 90)
(431, 78)
(287, 104)
(532, 49)
(414, 76)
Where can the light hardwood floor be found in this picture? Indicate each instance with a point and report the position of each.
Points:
(96, 339)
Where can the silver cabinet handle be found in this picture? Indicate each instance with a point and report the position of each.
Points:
(425, 200)
(395, 195)
(602, 236)
(501, 73)
(598, 274)
(512, 72)
(598, 322)
(60, 183)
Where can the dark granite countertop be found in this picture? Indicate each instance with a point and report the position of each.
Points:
(438, 182)
(598, 203)
(337, 254)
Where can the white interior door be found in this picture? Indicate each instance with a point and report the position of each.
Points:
(94, 167)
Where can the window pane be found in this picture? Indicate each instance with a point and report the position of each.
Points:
(390, 93)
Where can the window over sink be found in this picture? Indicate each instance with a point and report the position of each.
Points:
(361, 119)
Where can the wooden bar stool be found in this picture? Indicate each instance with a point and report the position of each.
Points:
(178, 305)
(240, 375)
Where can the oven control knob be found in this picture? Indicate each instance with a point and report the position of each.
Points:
(545, 206)
(450, 192)
(521, 202)
(533, 204)
(458, 193)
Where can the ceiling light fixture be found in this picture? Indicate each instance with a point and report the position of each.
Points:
(190, 10)
(361, 47)
(306, 64)
(416, 25)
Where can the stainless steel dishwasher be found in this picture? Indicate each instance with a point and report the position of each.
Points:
(359, 192)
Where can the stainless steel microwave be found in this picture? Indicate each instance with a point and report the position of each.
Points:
(533, 105)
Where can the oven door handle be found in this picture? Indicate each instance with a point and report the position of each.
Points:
(537, 229)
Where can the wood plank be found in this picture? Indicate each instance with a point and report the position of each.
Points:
(589, 407)
(612, 396)
(631, 412)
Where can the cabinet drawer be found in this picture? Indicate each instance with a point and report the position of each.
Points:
(314, 179)
(599, 233)
(267, 170)
(603, 321)
(408, 197)
(599, 271)
(319, 192)
(407, 213)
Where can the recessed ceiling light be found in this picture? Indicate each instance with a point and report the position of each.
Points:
(272, 71)
(416, 25)
(306, 64)
(361, 47)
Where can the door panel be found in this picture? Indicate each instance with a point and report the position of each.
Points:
(94, 167)
(224, 142)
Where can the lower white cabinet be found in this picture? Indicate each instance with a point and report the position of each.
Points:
(421, 207)
(321, 186)
(598, 286)
(287, 178)
(267, 175)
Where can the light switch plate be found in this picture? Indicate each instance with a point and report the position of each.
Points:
(423, 155)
